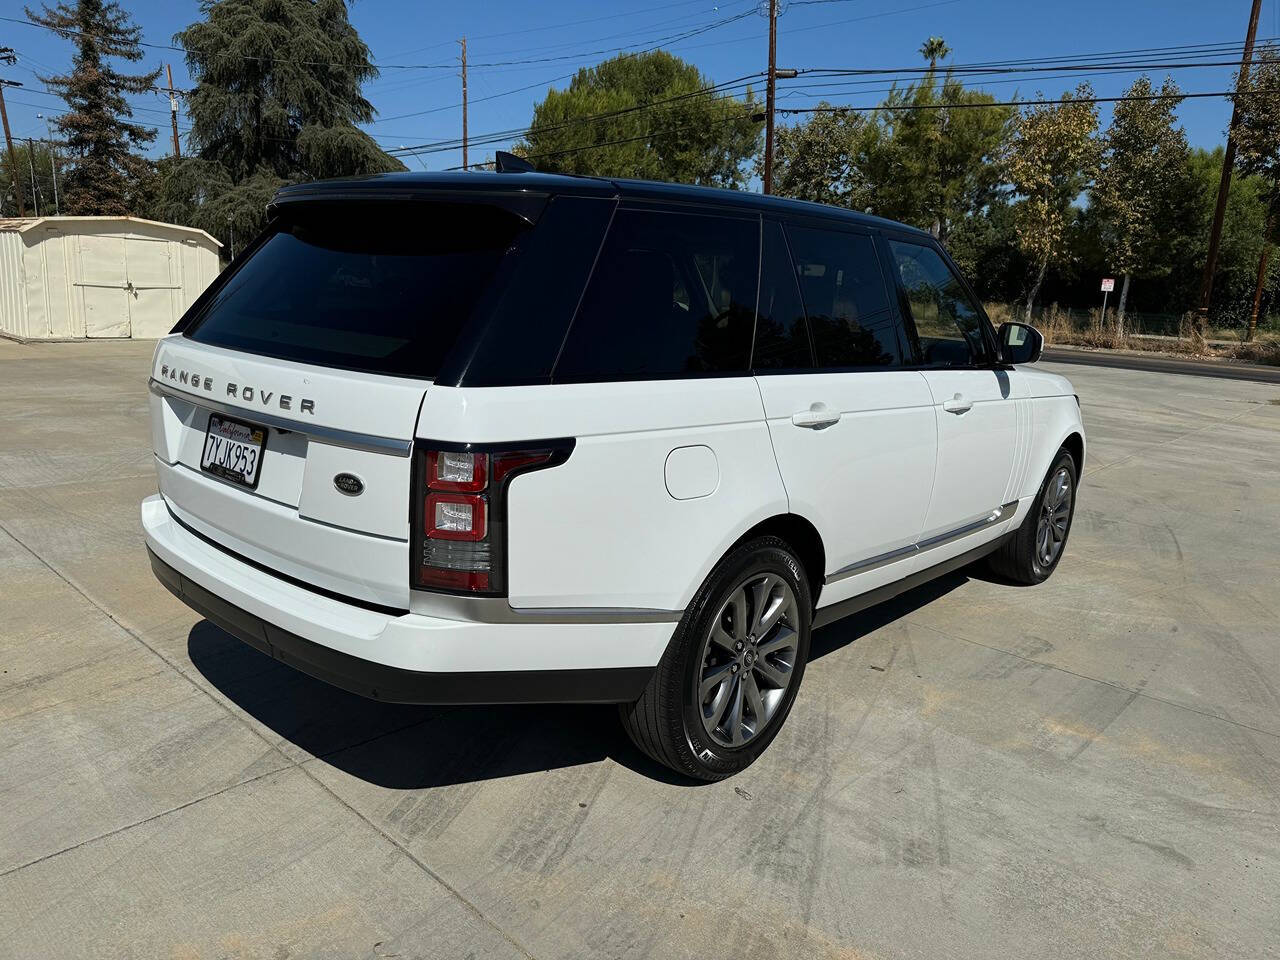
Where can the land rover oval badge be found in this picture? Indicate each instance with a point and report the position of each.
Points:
(349, 484)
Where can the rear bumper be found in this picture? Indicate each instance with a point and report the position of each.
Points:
(407, 658)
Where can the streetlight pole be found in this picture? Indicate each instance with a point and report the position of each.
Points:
(53, 164)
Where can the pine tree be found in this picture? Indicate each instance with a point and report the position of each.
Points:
(100, 135)
(276, 101)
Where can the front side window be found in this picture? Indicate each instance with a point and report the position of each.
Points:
(672, 294)
(850, 317)
(948, 323)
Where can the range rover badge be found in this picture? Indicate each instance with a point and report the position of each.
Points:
(349, 484)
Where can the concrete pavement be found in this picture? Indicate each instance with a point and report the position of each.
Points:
(1086, 768)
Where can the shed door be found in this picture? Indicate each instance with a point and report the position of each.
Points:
(104, 286)
(152, 286)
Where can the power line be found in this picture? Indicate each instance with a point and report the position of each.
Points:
(848, 108)
(500, 136)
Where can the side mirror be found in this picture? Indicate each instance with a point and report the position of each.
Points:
(1020, 343)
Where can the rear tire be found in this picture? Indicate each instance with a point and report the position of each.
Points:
(1031, 555)
(730, 675)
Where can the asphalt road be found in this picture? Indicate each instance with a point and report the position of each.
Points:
(1089, 768)
(1161, 363)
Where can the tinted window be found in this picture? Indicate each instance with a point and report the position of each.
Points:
(947, 321)
(848, 307)
(381, 293)
(782, 338)
(671, 294)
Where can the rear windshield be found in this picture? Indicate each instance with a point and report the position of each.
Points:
(384, 291)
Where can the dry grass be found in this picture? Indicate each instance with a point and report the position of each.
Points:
(1062, 328)
(1260, 351)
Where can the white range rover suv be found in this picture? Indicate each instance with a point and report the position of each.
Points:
(514, 437)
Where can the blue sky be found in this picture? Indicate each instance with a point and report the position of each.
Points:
(420, 106)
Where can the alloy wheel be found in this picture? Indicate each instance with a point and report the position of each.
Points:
(1055, 514)
(747, 660)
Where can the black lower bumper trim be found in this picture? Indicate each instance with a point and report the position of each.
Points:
(379, 681)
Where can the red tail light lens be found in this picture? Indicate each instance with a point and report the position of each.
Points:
(459, 521)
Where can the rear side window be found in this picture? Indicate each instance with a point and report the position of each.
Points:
(378, 291)
(948, 323)
(782, 338)
(850, 317)
(672, 294)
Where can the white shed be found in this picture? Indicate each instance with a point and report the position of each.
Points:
(72, 277)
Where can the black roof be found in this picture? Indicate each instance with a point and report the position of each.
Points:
(412, 184)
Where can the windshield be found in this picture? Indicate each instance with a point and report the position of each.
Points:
(383, 291)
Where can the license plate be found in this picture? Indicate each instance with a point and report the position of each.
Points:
(233, 450)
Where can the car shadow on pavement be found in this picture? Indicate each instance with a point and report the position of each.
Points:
(405, 747)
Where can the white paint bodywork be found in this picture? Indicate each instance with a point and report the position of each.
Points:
(665, 477)
(100, 277)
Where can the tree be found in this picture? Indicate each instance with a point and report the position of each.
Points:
(1144, 164)
(933, 50)
(817, 160)
(650, 115)
(1257, 134)
(100, 135)
(34, 160)
(276, 101)
(933, 157)
(1051, 159)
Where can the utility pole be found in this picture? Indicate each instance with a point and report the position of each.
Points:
(463, 41)
(173, 111)
(1224, 184)
(31, 163)
(7, 55)
(769, 96)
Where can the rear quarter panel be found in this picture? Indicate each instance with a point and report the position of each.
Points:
(603, 529)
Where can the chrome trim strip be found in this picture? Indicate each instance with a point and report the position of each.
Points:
(923, 546)
(499, 610)
(340, 438)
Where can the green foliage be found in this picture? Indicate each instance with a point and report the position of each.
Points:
(819, 160)
(100, 135)
(932, 166)
(1141, 180)
(277, 100)
(31, 162)
(693, 136)
(1257, 132)
(1051, 158)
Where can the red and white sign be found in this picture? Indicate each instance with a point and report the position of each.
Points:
(1108, 284)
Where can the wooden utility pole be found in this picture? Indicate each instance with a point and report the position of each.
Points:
(8, 142)
(173, 111)
(463, 41)
(769, 96)
(1224, 184)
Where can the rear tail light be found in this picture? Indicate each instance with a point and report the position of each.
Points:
(459, 517)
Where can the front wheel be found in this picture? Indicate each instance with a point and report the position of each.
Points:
(1033, 552)
(730, 674)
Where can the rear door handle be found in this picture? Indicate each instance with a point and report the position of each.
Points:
(957, 404)
(817, 417)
